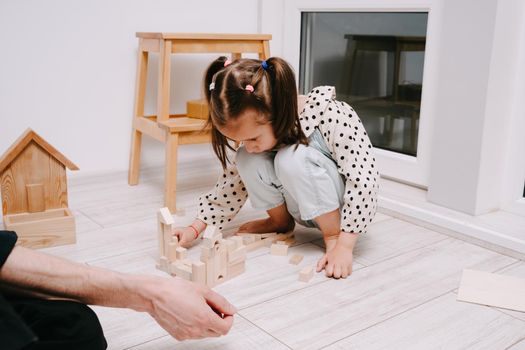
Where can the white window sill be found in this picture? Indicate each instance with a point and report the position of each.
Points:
(500, 231)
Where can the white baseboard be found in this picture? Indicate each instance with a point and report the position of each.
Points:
(506, 236)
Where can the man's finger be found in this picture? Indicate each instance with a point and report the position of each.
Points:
(218, 303)
(220, 325)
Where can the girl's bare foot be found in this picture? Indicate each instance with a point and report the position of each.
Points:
(265, 226)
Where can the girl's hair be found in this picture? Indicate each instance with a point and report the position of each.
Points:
(274, 97)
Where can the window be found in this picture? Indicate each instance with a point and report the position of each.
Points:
(375, 60)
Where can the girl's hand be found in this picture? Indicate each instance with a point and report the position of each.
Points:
(338, 260)
(186, 235)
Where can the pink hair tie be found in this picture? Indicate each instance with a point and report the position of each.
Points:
(249, 88)
(227, 63)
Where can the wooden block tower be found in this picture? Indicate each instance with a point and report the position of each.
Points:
(220, 260)
(34, 192)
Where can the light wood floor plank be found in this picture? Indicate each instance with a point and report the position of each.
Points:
(243, 336)
(389, 238)
(442, 323)
(323, 314)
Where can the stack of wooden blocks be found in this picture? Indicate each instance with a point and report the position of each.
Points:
(220, 260)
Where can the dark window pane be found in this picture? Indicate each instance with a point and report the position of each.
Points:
(375, 61)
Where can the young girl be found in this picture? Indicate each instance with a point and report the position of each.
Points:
(306, 160)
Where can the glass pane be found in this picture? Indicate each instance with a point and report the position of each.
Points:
(375, 61)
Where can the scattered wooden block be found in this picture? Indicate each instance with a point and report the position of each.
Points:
(296, 259)
(306, 274)
(279, 249)
(181, 253)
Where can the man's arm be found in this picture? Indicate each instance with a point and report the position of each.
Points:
(184, 309)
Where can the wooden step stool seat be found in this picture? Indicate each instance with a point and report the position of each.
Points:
(175, 130)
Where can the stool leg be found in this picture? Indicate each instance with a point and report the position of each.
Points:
(136, 136)
(134, 158)
(265, 54)
(170, 178)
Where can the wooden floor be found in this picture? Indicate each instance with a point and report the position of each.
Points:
(401, 295)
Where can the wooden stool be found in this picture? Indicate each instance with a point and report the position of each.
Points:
(175, 130)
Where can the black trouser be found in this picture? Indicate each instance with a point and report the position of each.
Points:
(60, 324)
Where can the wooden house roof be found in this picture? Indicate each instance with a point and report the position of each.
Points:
(24, 140)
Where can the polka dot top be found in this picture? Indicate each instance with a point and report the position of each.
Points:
(349, 146)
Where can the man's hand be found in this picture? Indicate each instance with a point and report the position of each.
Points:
(338, 260)
(187, 310)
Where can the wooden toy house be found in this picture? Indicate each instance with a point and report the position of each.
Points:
(34, 192)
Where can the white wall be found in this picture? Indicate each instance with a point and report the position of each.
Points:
(67, 70)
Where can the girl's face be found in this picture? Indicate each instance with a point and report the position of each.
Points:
(252, 130)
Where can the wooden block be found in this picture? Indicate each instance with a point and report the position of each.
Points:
(181, 270)
(238, 241)
(43, 229)
(279, 249)
(266, 235)
(197, 109)
(181, 253)
(171, 253)
(164, 264)
(492, 289)
(222, 267)
(164, 216)
(160, 238)
(211, 231)
(296, 259)
(258, 244)
(186, 262)
(283, 236)
(247, 239)
(236, 270)
(36, 201)
(237, 255)
(306, 274)
(198, 272)
(280, 242)
(206, 254)
(230, 245)
(290, 241)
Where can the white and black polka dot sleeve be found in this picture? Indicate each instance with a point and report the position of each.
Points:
(352, 150)
(220, 205)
